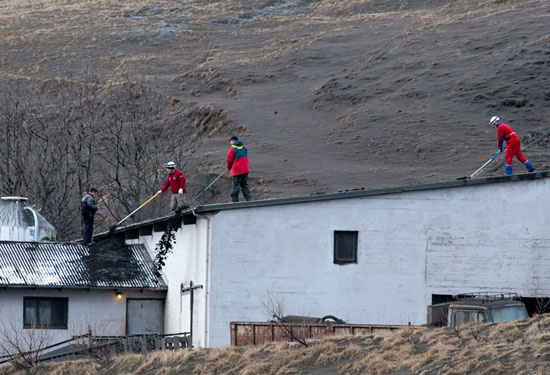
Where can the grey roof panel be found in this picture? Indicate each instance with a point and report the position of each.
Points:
(110, 265)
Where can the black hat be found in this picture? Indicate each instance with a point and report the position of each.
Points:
(234, 138)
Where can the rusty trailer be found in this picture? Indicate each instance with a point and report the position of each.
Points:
(258, 333)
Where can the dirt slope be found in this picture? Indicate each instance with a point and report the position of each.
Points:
(327, 94)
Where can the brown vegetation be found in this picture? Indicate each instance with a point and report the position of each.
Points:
(63, 137)
(516, 348)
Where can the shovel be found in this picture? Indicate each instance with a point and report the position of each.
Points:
(483, 166)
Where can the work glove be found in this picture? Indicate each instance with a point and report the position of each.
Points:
(180, 191)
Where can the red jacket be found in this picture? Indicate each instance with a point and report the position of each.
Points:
(237, 159)
(176, 180)
(506, 133)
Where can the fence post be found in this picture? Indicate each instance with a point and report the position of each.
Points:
(89, 338)
(143, 342)
(125, 344)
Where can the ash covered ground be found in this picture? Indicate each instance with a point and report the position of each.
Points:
(326, 94)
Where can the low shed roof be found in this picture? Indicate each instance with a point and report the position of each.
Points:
(106, 264)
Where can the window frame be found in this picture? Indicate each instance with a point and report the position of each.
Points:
(40, 325)
(355, 243)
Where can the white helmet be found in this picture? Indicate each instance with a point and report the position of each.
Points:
(494, 120)
(170, 165)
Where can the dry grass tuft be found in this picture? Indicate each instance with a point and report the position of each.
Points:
(489, 349)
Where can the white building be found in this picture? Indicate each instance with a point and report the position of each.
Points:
(366, 256)
(53, 291)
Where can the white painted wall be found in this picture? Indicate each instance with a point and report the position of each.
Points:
(100, 309)
(411, 245)
(287, 251)
(493, 237)
(185, 264)
(488, 237)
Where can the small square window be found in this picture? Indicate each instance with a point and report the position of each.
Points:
(45, 312)
(345, 247)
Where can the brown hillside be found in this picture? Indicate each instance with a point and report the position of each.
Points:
(326, 94)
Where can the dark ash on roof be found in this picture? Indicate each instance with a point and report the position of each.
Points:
(106, 264)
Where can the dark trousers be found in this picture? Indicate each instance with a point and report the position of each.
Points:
(240, 181)
(87, 229)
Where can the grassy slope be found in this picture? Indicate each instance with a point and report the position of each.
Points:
(517, 348)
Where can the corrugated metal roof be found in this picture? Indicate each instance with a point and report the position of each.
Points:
(77, 266)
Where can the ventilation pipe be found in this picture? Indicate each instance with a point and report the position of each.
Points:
(36, 225)
(19, 221)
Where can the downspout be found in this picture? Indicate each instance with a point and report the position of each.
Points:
(207, 275)
(35, 222)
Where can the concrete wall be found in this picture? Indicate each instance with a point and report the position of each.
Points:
(100, 309)
(487, 237)
(187, 263)
(491, 237)
(411, 245)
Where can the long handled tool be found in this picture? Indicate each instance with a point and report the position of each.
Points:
(209, 185)
(483, 166)
(134, 211)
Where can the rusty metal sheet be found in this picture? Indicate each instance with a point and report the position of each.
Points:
(257, 333)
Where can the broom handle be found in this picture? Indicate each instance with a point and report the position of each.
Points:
(137, 209)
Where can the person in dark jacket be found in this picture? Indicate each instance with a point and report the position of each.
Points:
(88, 209)
(176, 181)
(237, 163)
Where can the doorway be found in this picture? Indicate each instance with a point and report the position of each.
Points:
(144, 316)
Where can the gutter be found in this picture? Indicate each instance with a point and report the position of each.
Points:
(61, 287)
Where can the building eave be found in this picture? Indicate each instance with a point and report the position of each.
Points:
(346, 194)
(73, 287)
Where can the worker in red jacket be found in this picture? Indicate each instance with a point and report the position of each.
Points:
(237, 162)
(176, 181)
(506, 133)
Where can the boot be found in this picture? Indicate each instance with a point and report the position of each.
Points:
(508, 170)
(529, 166)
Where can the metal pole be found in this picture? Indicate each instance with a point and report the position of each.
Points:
(209, 185)
(137, 209)
(191, 312)
(488, 161)
(190, 289)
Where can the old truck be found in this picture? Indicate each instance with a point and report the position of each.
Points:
(477, 308)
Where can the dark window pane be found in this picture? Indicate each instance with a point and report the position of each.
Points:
(30, 316)
(345, 247)
(59, 313)
(44, 312)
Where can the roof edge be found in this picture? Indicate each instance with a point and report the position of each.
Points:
(72, 287)
(351, 193)
(361, 192)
